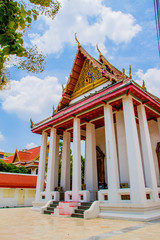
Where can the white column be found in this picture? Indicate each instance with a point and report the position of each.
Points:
(148, 162)
(76, 167)
(122, 148)
(112, 162)
(91, 161)
(41, 167)
(56, 161)
(134, 156)
(65, 168)
(158, 120)
(53, 160)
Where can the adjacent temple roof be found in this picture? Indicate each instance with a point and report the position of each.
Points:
(24, 157)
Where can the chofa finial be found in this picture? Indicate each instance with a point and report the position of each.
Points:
(123, 72)
(144, 86)
(53, 110)
(79, 45)
(63, 89)
(31, 123)
(130, 75)
(100, 54)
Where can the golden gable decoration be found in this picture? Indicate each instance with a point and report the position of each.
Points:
(88, 76)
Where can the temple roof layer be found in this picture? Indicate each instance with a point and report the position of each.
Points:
(12, 180)
(92, 84)
(24, 157)
(86, 74)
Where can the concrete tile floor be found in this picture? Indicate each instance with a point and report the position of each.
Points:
(25, 224)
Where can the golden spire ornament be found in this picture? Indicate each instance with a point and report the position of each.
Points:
(130, 75)
(144, 86)
(123, 72)
(53, 110)
(31, 123)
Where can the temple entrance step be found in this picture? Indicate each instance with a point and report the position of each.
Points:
(79, 213)
(51, 207)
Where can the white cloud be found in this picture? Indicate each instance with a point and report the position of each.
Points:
(32, 97)
(31, 145)
(93, 22)
(151, 78)
(1, 137)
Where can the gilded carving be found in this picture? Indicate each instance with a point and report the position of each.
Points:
(89, 74)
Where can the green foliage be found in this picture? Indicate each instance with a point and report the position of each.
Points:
(34, 61)
(15, 18)
(71, 161)
(9, 167)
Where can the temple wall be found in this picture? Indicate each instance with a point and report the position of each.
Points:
(14, 197)
(155, 138)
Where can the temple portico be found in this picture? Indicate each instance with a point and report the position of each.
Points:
(120, 124)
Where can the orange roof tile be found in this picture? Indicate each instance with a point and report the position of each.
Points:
(25, 155)
(11, 180)
(29, 154)
(9, 159)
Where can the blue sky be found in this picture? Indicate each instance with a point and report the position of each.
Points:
(126, 34)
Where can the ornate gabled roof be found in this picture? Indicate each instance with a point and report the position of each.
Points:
(98, 70)
(24, 156)
(108, 83)
(108, 67)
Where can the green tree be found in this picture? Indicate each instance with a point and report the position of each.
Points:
(71, 160)
(15, 18)
(9, 167)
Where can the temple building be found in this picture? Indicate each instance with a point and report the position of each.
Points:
(28, 158)
(120, 124)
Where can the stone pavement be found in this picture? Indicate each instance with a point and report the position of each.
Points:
(25, 224)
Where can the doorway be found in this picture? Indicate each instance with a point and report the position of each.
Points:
(100, 168)
(21, 196)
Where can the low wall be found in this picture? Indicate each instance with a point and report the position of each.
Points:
(14, 197)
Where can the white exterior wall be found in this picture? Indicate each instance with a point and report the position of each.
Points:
(13, 201)
(155, 138)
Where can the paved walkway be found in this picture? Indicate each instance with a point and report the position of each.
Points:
(25, 224)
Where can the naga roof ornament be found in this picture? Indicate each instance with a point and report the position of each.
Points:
(130, 75)
(100, 54)
(31, 123)
(144, 86)
(79, 45)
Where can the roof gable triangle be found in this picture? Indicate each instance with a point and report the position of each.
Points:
(16, 157)
(88, 76)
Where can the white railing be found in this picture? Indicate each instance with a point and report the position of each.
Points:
(123, 192)
(83, 196)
